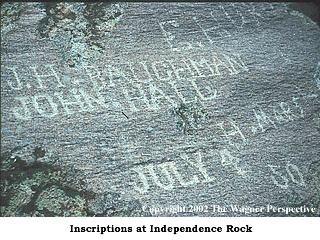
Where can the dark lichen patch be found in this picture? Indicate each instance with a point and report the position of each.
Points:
(10, 13)
(111, 204)
(39, 152)
(30, 153)
(45, 189)
(77, 28)
(102, 17)
(189, 116)
(57, 201)
(55, 13)
(39, 189)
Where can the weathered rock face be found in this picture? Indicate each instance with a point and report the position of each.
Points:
(136, 109)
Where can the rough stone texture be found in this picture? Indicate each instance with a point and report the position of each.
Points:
(120, 109)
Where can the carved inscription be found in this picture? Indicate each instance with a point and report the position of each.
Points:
(292, 174)
(234, 16)
(133, 87)
(168, 175)
(279, 113)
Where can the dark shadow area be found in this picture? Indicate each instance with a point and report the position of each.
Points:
(309, 9)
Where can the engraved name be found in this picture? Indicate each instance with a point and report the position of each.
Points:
(173, 174)
(131, 87)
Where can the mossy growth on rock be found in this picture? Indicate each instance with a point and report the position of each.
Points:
(10, 13)
(42, 188)
(39, 188)
(78, 28)
(189, 116)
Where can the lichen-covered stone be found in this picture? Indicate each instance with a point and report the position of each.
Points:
(189, 116)
(76, 28)
(10, 13)
(111, 204)
(38, 188)
(58, 202)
